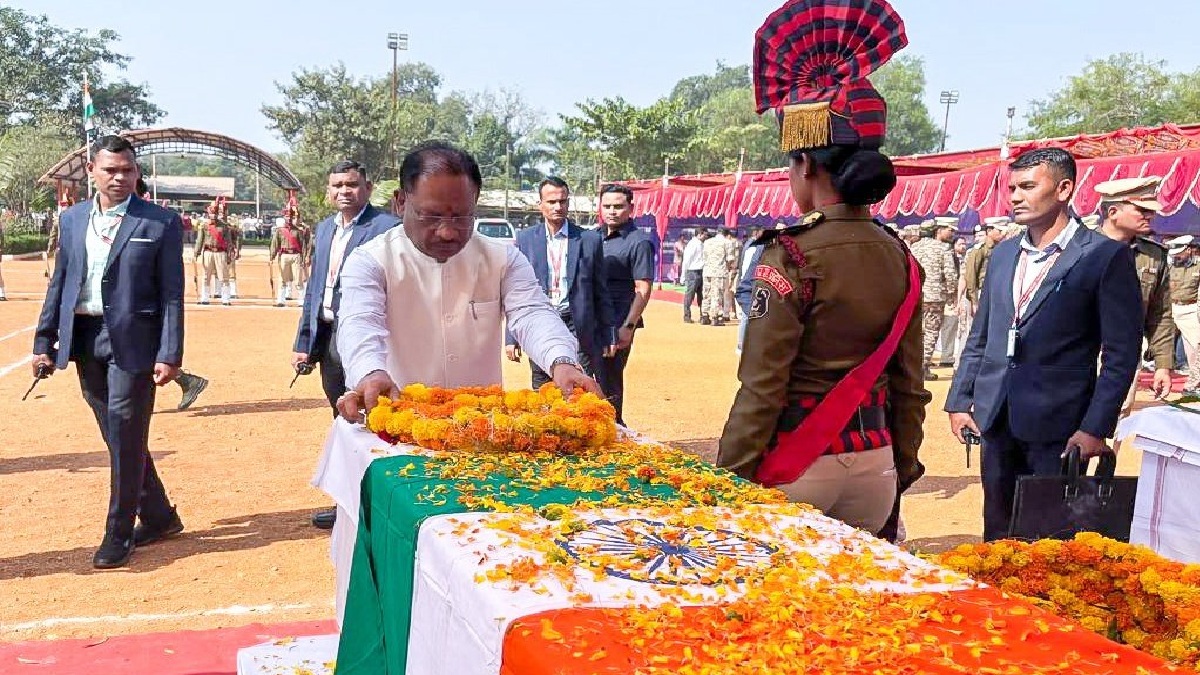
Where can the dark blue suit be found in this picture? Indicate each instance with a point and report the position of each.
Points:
(1028, 406)
(114, 354)
(315, 336)
(591, 316)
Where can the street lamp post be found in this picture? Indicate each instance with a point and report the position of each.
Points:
(397, 42)
(947, 99)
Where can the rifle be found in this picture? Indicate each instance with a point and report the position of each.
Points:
(195, 278)
(271, 276)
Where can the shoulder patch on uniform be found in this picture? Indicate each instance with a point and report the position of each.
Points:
(773, 278)
(758, 304)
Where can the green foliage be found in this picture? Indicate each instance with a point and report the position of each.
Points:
(911, 129)
(696, 91)
(202, 165)
(725, 126)
(25, 154)
(41, 77)
(632, 141)
(24, 242)
(1121, 90)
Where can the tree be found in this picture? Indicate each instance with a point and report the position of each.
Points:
(725, 126)
(696, 91)
(41, 77)
(25, 154)
(632, 141)
(910, 129)
(1122, 90)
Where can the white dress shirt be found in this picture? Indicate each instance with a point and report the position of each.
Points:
(337, 253)
(441, 324)
(101, 231)
(556, 260)
(693, 255)
(1036, 262)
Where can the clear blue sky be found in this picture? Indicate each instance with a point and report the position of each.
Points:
(213, 64)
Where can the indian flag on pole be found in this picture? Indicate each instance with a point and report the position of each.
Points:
(89, 110)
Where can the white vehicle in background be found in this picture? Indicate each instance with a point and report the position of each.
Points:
(496, 228)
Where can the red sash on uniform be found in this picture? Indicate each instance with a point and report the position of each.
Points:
(215, 233)
(796, 450)
(292, 241)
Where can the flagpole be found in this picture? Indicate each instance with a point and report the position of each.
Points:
(87, 130)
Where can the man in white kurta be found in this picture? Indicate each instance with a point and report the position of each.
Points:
(427, 303)
(442, 323)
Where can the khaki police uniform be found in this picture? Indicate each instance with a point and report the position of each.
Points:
(808, 326)
(1153, 269)
(1185, 287)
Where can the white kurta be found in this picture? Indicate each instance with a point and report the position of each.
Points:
(441, 324)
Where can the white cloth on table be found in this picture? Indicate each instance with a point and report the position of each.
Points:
(1167, 507)
(441, 323)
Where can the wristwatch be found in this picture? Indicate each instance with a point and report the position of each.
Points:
(567, 361)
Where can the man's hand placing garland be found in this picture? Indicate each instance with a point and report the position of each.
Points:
(356, 403)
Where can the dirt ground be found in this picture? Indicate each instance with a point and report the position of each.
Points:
(238, 464)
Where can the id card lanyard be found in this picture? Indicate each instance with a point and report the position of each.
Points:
(1027, 296)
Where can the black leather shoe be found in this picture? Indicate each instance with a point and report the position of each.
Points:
(929, 374)
(143, 535)
(192, 385)
(324, 519)
(114, 552)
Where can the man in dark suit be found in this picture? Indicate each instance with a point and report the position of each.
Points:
(569, 264)
(1054, 300)
(355, 223)
(115, 307)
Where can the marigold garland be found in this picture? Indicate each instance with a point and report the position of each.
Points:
(491, 419)
(1128, 593)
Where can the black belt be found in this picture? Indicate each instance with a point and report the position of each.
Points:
(866, 418)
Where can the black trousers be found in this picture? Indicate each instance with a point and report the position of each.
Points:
(325, 353)
(611, 378)
(122, 402)
(540, 377)
(693, 292)
(1004, 460)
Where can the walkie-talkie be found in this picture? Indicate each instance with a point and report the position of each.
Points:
(302, 368)
(43, 371)
(970, 438)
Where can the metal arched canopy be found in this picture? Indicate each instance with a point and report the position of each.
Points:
(178, 141)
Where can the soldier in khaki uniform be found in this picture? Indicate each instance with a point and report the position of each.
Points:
(827, 293)
(936, 256)
(1185, 283)
(1126, 209)
(235, 246)
(288, 244)
(212, 249)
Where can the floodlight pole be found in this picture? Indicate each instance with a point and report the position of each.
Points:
(948, 98)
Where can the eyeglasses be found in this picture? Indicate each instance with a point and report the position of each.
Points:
(460, 223)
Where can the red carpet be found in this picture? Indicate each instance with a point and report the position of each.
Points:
(668, 295)
(209, 652)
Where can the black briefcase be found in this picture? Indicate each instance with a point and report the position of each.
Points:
(1059, 507)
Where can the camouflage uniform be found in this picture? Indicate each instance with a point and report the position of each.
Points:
(941, 285)
(716, 277)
